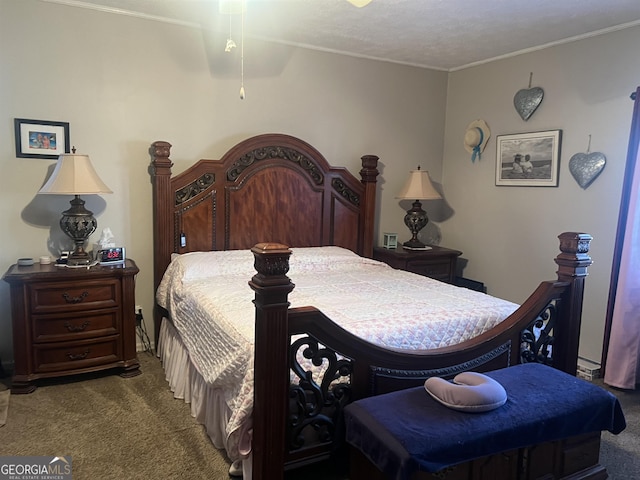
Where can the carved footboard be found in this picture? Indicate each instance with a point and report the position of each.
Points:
(298, 422)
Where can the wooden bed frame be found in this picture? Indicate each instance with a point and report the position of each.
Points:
(278, 189)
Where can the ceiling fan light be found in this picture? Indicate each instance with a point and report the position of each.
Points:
(230, 45)
(359, 3)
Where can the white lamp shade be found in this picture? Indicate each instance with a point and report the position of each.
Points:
(419, 187)
(74, 175)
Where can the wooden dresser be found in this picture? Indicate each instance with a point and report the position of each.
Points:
(438, 262)
(68, 321)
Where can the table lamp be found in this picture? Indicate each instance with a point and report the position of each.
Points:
(74, 175)
(418, 187)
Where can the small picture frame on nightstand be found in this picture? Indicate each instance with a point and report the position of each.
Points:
(390, 240)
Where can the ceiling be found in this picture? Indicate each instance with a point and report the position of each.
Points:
(439, 34)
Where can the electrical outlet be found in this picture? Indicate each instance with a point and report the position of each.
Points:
(138, 308)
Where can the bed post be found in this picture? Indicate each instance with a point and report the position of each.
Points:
(161, 184)
(271, 363)
(572, 261)
(369, 175)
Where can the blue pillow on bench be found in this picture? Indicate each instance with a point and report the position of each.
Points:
(469, 392)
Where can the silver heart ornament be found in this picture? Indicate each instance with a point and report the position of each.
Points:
(585, 167)
(527, 101)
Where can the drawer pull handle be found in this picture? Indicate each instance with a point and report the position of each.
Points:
(70, 299)
(78, 356)
(76, 328)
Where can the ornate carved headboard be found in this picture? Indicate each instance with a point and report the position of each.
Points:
(268, 188)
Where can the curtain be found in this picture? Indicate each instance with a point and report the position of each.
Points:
(622, 335)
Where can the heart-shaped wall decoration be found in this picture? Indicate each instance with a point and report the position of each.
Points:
(527, 101)
(585, 167)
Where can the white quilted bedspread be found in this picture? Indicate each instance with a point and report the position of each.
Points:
(210, 302)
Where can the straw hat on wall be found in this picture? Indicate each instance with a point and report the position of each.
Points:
(476, 137)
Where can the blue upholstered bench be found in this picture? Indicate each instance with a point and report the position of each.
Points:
(548, 428)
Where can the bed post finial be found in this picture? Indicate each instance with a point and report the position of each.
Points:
(160, 152)
(572, 262)
(369, 175)
(271, 358)
(369, 172)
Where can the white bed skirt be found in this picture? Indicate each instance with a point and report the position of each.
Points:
(207, 404)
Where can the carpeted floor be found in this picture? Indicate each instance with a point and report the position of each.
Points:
(620, 454)
(115, 428)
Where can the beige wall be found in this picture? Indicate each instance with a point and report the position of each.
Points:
(124, 82)
(506, 230)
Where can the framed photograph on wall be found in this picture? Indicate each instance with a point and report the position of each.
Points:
(528, 159)
(41, 138)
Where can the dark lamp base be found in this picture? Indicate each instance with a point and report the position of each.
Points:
(416, 219)
(79, 258)
(78, 223)
(423, 247)
(415, 244)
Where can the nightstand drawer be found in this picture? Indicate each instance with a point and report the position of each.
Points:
(68, 296)
(69, 327)
(70, 321)
(436, 262)
(76, 355)
(438, 270)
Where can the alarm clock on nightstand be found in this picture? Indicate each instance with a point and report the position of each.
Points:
(111, 256)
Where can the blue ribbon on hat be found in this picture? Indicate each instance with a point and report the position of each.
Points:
(476, 149)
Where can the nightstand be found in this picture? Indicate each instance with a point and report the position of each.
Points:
(438, 262)
(68, 321)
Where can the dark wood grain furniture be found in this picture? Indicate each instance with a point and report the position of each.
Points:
(68, 321)
(573, 458)
(437, 262)
(279, 190)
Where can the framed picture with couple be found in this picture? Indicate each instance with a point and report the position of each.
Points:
(528, 159)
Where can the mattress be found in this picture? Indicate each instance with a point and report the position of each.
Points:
(210, 303)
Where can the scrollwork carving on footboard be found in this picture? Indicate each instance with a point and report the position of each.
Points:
(319, 396)
(383, 379)
(537, 339)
